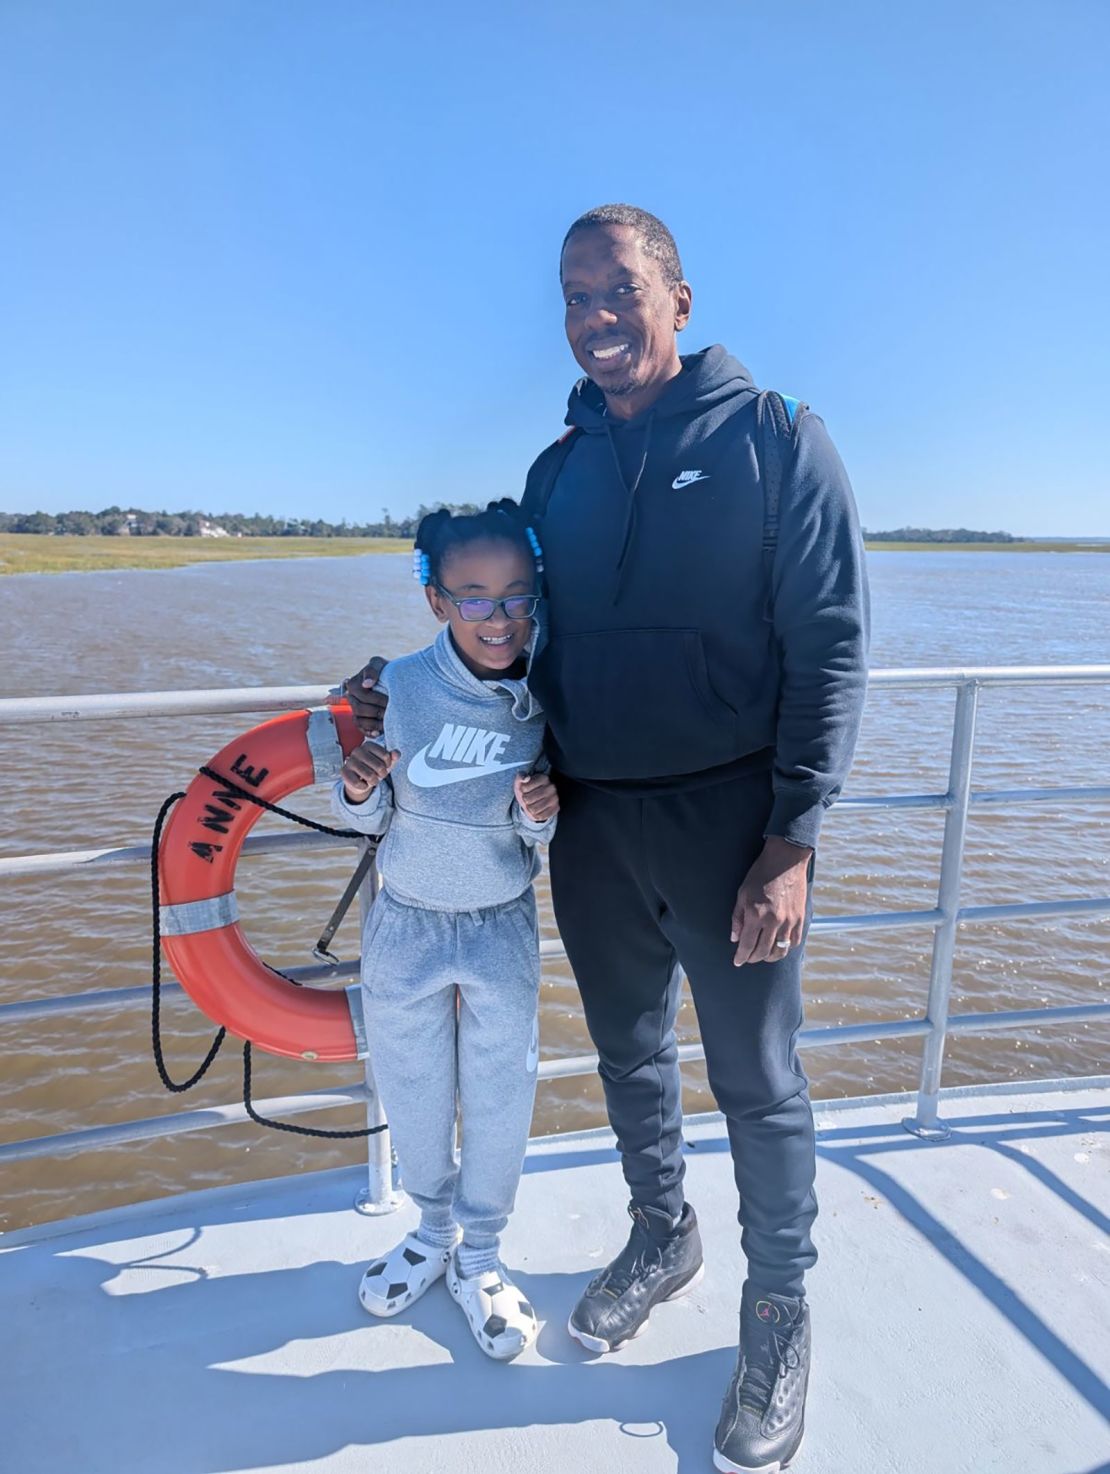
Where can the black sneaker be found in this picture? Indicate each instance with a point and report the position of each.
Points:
(659, 1262)
(763, 1417)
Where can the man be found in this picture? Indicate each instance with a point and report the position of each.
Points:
(703, 674)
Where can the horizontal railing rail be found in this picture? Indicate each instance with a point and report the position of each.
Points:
(956, 803)
(59, 861)
(105, 706)
(106, 998)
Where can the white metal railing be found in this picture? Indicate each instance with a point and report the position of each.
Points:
(944, 918)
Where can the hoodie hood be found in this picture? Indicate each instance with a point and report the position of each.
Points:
(707, 379)
(448, 663)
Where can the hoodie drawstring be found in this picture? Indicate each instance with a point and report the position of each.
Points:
(630, 491)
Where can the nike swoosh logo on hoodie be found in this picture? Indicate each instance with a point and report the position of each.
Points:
(423, 776)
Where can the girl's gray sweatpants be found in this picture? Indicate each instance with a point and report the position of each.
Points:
(451, 1013)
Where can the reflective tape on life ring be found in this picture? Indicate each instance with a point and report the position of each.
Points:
(187, 917)
(324, 745)
(198, 909)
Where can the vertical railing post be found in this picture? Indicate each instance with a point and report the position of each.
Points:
(378, 1196)
(926, 1122)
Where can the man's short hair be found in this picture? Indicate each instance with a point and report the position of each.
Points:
(654, 237)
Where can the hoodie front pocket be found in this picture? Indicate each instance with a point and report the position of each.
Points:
(636, 704)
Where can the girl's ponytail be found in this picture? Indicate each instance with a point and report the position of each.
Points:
(508, 508)
(513, 510)
(428, 534)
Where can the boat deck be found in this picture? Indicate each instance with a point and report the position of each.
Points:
(961, 1317)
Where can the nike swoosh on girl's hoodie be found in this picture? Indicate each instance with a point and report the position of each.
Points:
(670, 658)
(455, 837)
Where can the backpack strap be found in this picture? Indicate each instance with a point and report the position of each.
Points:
(544, 474)
(777, 417)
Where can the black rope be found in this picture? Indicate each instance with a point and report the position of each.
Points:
(286, 1125)
(239, 792)
(156, 971)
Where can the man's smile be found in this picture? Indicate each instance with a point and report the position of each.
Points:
(608, 352)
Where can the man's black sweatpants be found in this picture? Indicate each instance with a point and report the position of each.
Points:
(643, 888)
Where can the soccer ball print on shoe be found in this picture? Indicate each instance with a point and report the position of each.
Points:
(392, 1284)
(500, 1318)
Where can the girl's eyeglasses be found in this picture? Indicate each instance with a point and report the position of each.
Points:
(517, 606)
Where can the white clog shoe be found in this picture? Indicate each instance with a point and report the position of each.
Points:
(392, 1284)
(500, 1318)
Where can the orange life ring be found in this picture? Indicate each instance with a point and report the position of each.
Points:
(198, 912)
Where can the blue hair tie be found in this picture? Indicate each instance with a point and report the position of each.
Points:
(421, 567)
(537, 551)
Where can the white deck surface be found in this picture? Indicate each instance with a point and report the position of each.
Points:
(961, 1318)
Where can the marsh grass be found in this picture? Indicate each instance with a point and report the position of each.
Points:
(32, 552)
(29, 552)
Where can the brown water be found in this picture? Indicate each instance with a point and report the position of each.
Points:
(92, 784)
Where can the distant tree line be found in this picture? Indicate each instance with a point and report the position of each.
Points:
(940, 535)
(133, 522)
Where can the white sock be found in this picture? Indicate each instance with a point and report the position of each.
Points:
(473, 1261)
(437, 1233)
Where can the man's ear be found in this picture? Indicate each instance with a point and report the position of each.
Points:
(436, 603)
(683, 302)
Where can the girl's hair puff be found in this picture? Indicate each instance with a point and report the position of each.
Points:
(442, 531)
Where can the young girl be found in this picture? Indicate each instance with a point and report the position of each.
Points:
(450, 954)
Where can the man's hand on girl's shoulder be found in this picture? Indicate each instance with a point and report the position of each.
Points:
(368, 704)
(537, 796)
(364, 770)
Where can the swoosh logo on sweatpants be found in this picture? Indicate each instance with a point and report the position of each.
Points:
(425, 777)
(533, 1049)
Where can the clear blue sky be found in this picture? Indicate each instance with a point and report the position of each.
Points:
(270, 255)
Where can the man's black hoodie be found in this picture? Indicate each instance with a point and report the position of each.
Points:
(668, 660)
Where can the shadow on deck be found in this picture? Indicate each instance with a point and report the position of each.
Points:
(960, 1318)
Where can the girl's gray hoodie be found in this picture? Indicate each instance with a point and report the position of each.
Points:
(455, 837)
